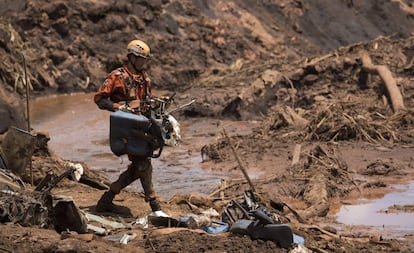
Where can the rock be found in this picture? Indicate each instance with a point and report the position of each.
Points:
(61, 26)
(69, 245)
(56, 10)
(271, 77)
(58, 56)
(310, 79)
(17, 148)
(4, 37)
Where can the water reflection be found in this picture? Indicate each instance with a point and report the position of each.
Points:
(375, 212)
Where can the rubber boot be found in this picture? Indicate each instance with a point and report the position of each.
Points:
(105, 204)
(154, 206)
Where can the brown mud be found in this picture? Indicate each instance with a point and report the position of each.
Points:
(315, 128)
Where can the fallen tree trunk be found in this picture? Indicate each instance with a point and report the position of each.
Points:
(386, 76)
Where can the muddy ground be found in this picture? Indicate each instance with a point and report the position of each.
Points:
(325, 130)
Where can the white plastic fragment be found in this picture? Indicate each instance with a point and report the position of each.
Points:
(78, 170)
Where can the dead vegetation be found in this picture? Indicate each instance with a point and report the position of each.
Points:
(12, 67)
(335, 124)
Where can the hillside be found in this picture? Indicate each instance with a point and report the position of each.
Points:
(296, 70)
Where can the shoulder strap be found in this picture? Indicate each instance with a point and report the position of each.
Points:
(127, 81)
(147, 83)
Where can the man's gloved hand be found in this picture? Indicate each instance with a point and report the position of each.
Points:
(141, 135)
(125, 108)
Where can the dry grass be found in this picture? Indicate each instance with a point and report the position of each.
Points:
(335, 124)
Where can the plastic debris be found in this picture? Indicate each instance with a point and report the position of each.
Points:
(97, 230)
(211, 212)
(113, 224)
(216, 227)
(159, 214)
(127, 238)
(298, 239)
(77, 170)
(299, 248)
(142, 222)
(122, 238)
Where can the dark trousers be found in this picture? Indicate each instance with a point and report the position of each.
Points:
(141, 168)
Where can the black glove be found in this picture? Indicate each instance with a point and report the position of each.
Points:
(154, 143)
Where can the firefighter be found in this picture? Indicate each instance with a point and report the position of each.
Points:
(122, 88)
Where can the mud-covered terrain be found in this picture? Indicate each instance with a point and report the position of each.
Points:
(327, 87)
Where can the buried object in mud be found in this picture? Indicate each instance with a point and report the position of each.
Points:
(191, 221)
(281, 234)
(40, 207)
(249, 218)
(67, 216)
(10, 181)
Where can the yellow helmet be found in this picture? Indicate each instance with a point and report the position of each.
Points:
(139, 48)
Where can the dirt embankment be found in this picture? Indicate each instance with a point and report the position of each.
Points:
(71, 46)
(325, 120)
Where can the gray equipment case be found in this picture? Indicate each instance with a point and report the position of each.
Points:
(124, 131)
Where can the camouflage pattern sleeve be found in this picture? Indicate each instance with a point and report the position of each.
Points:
(102, 96)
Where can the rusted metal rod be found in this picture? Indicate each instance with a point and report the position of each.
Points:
(27, 109)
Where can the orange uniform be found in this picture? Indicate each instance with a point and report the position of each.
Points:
(122, 85)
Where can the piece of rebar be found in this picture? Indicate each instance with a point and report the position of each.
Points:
(27, 90)
(27, 109)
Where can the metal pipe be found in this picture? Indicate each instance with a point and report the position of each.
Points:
(27, 91)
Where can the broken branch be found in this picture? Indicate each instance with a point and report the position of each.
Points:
(389, 81)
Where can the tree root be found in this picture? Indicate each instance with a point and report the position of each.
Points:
(386, 76)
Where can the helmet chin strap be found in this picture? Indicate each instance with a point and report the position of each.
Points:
(136, 70)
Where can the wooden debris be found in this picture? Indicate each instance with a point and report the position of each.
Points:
(223, 185)
(330, 234)
(228, 185)
(389, 81)
(296, 154)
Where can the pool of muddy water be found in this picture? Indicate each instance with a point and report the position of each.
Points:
(79, 131)
(394, 211)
